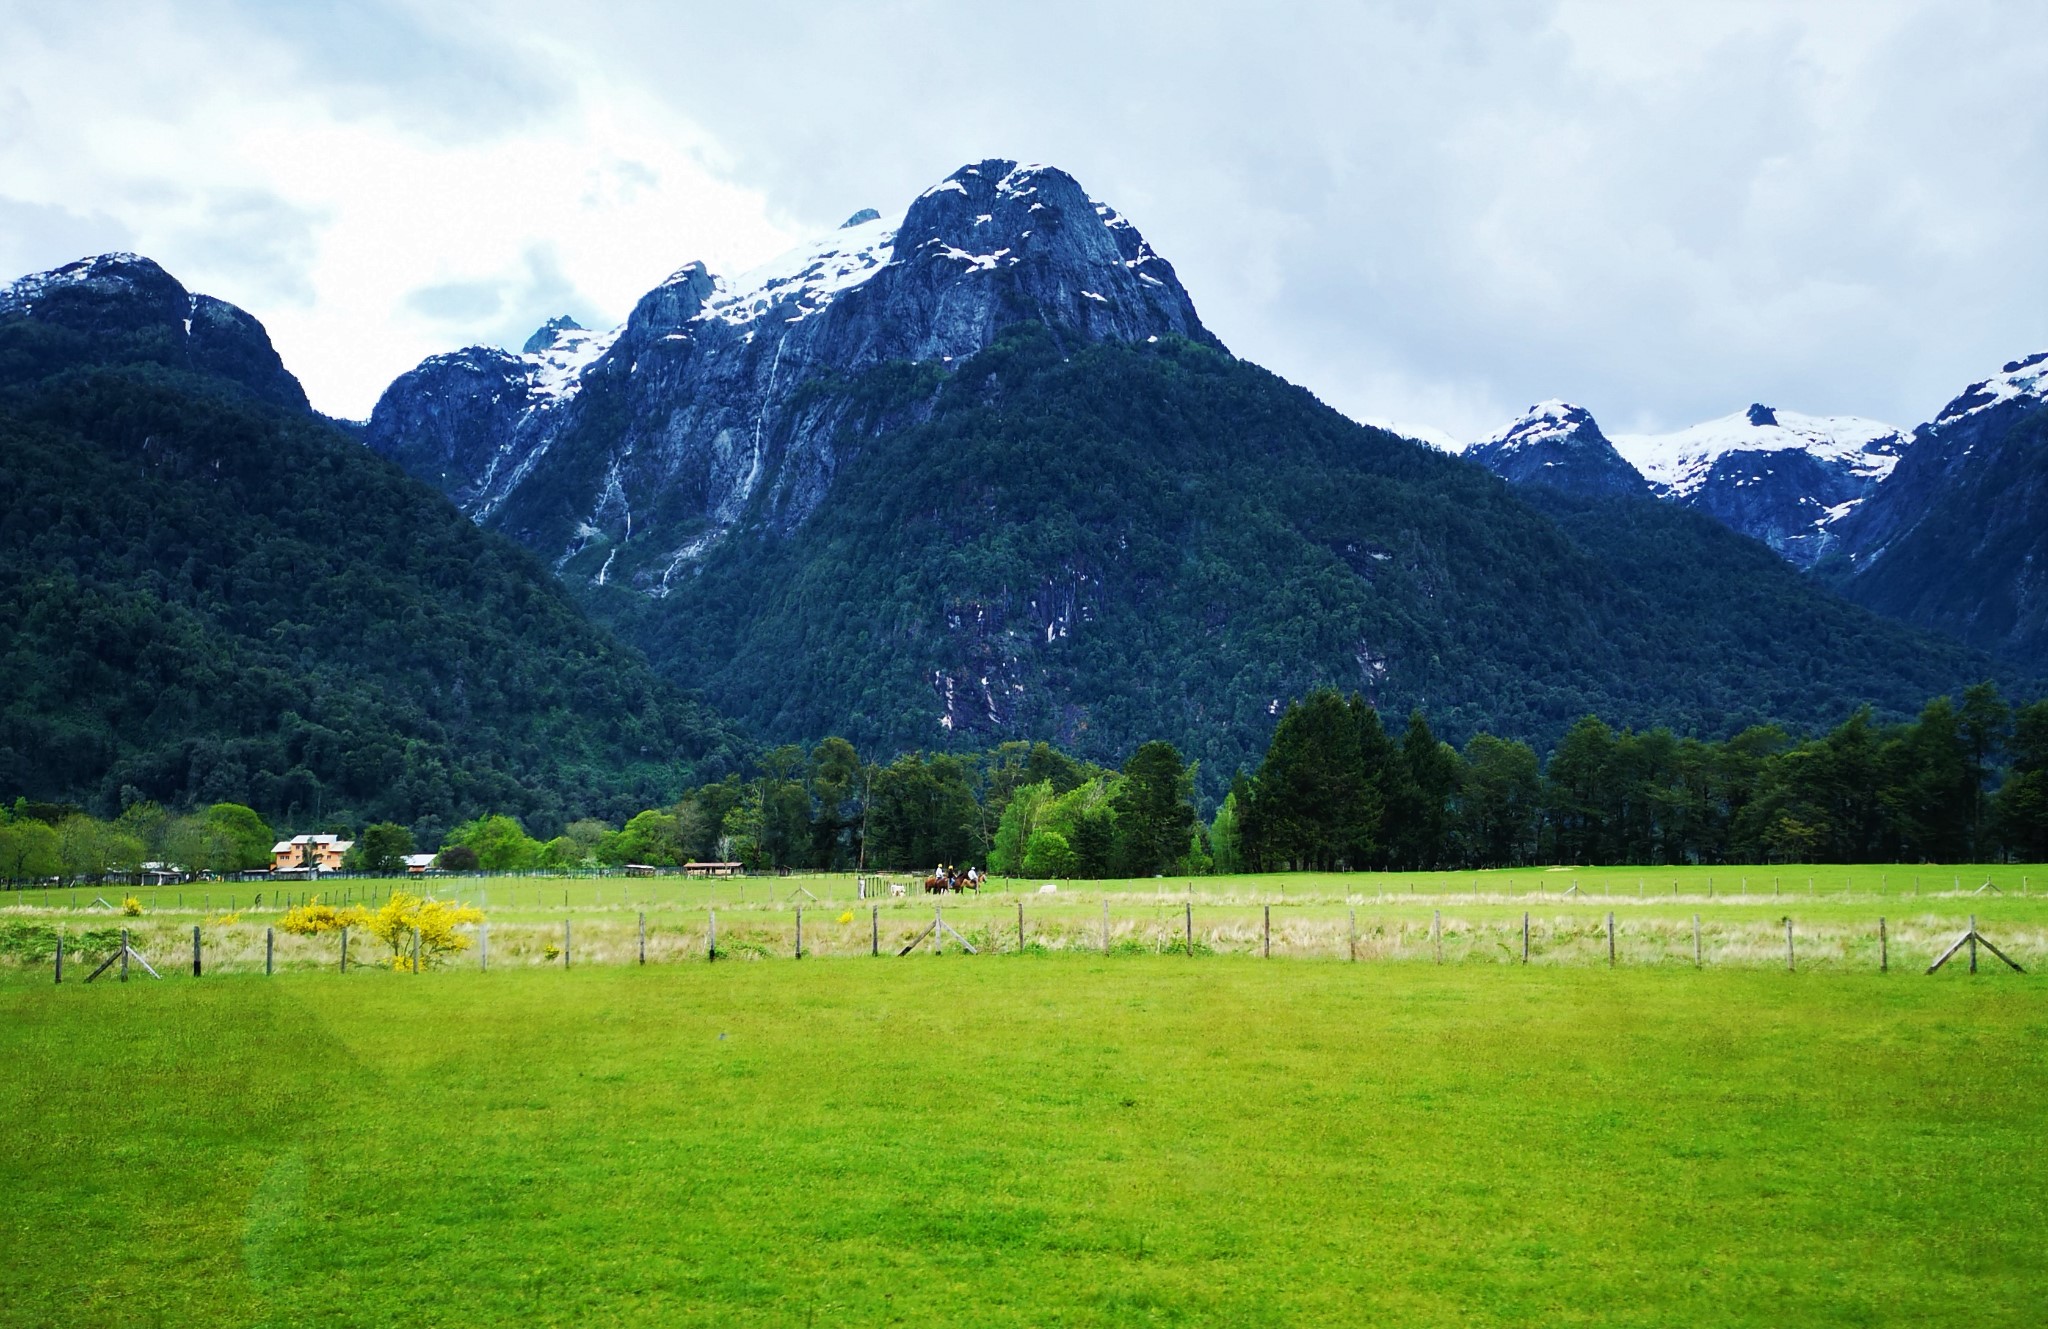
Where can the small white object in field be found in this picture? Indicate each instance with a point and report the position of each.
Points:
(895, 888)
(1048, 889)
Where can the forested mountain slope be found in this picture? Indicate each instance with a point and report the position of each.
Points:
(1956, 538)
(208, 592)
(1109, 543)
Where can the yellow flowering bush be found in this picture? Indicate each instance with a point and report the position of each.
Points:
(846, 917)
(132, 907)
(223, 920)
(436, 921)
(313, 918)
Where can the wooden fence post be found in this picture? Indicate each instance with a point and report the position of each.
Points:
(1269, 932)
(875, 926)
(565, 943)
(711, 936)
(1020, 927)
(1610, 939)
(1695, 941)
(1436, 932)
(799, 932)
(415, 950)
(344, 948)
(60, 957)
(1105, 924)
(1884, 954)
(269, 951)
(1973, 947)
(1354, 936)
(195, 950)
(1525, 936)
(1790, 965)
(483, 956)
(124, 953)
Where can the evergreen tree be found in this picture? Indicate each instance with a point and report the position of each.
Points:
(1316, 805)
(1154, 811)
(2021, 807)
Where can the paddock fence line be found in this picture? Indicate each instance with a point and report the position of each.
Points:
(988, 931)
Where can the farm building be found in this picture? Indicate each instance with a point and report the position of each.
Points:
(319, 853)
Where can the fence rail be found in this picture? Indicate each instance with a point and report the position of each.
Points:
(1165, 927)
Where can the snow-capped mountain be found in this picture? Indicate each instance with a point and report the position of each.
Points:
(125, 304)
(1956, 538)
(1557, 444)
(625, 457)
(1785, 478)
(1778, 476)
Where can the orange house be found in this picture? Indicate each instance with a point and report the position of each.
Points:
(321, 853)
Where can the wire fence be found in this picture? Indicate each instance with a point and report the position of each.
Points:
(624, 934)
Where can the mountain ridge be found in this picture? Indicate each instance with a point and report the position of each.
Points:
(209, 592)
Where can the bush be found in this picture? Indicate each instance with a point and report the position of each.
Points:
(314, 918)
(456, 858)
(434, 922)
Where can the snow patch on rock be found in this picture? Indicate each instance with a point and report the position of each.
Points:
(1678, 463)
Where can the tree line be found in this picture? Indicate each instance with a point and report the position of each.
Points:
(1965, 780)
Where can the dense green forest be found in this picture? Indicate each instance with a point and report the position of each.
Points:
(208, 596)
(1103, 545)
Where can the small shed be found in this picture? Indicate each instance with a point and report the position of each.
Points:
(714, 869)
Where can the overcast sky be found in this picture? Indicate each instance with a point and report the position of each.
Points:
(1430, 213)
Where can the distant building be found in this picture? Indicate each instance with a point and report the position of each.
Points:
(315, 853)
(714, 869)
(415, 864)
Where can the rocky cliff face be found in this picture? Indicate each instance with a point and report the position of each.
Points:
(625, 457)
(1558, 445)
(123, 307)
(1956, 538)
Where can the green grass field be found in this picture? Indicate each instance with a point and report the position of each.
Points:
(1059, 1137)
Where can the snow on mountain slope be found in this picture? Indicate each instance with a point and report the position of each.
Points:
(805, 280)
(1679, 464)
(1559, 445)
(559, 361)
(2018, 380)
(626, 457)
(1785, 478)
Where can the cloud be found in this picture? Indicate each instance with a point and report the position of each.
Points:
(37, 236)
(367, 210)
(1431, 213)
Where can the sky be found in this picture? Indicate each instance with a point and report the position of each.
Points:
(1433, 214)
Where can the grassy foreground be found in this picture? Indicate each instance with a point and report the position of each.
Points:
(1027, 1140)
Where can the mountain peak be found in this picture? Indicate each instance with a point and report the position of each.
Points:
(1760, 415)
(129, 308)
(548, 333)
(1557, 444)
(725, 397)
(1546, 421)
(2025, 379)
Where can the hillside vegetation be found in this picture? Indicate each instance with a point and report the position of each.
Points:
(204, 596)
(1110, 544)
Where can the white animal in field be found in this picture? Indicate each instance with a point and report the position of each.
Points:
(895, 888)
(1048, 889)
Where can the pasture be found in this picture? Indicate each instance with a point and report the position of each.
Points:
(1053, 1137)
